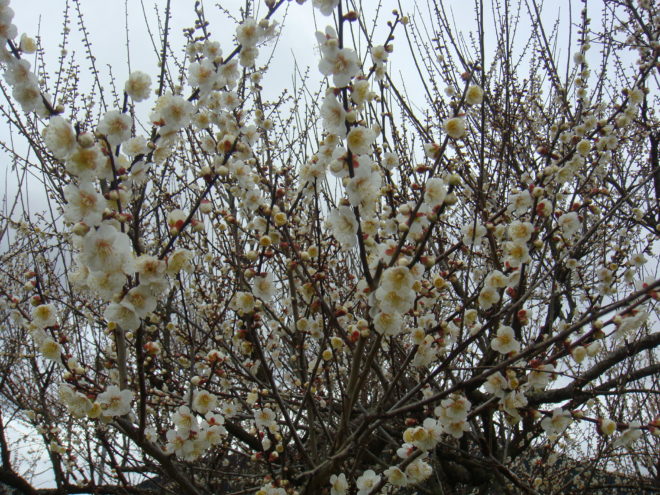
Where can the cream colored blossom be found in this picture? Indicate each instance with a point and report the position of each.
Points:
(50, 349)
(474, 95)
(204, 401)
(116, 127)
(520, 231)
(454, 127)
(473, 232)
(60, 137)
(366, 482)
(115, 402)
(44, 316)
(607, 427)
(338, 484)
(138, 86)
(388, 323)
(243, 303)
(344, 226)
(505, 341)
(360, 139)
(435, 192)
(264, 287)
(488, 297)
(326, 7)
(84, 204)
(557, 423)
(569, 223)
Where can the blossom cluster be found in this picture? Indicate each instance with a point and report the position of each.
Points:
(230, 282)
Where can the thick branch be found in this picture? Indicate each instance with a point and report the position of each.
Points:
(614, 358)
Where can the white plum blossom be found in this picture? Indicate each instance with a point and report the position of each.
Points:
(141, 299)
(123, 314)
(520, 202)
(364, 187)
(184, 420)
(78, 404)
(7, 30)
(115, 402)
(151, 269)
(29, 96)
(138, 86)
(44, 316)
(106, 284)
(569, 223)
(426, 263)
(539, 377)
(557, 423)
(454, 127)
(338, 484)
(517, 253)
(396, 477)
(474, 95)
(388, 323)
(19, 73)
(424, 437)
(60, 137)
(416, 224)
(50, 349)
(265, 418)
(426, 353)
(360, 139)
(247, 33)
(211, 434)
(399, 278)
(204, 402)
(326, 7)
(333, 115)
(488, 296)
(341, 63)
(366, 482)
(180, 259)
(173, 112)
(135, 146)
(583, 147)
(379, 55)
(88, 163)
(637, 260)
(116, 127)
(453, 409)
(505, 341)
(607, 427)
(394, 301)
(361, 91)
(107, 249)
(391, 161)
(243, 303)
(344, 226)
(435, 192)
(203, 75)
(520, 231)
(629, 323)
(269, 489)
(419, 470)
(496, 384)
(473, 232)
(496, 279)
(84, 204)
(511, 403)
(263, 286)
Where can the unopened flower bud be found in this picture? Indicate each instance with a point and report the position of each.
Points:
(86, 140)
(80, 229)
